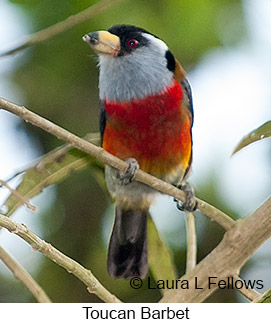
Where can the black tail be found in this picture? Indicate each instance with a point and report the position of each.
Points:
(127, 254)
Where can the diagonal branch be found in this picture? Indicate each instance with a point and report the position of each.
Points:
(249, 293)
(73, 267)
(21, 274)
(226, 260)
(62, 26)
(224, 220)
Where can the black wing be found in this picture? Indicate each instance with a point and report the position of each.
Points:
(186, 86)
(102, 120)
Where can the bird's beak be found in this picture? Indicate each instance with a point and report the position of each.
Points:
(103, 42)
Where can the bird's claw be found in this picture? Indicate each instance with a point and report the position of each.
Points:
(129, 175)
(190, 204)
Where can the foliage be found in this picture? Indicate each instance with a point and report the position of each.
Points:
(262, 132)
(50, 169)
(265, 298)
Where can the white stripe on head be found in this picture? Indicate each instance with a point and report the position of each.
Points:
(156, 41)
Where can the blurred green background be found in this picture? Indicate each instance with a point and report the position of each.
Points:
(58, 79)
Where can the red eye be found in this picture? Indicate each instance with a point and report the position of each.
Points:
(132, 43)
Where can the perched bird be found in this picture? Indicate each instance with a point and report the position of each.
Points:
(146, 118)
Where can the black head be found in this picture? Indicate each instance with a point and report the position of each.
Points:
(131, 37)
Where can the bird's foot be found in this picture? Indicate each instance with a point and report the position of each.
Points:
(190, 205)
(129, 175)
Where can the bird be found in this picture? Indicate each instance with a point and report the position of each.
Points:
(146, 119)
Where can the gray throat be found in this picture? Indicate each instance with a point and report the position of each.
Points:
(133, 76)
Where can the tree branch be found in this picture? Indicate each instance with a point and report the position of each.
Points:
(61, 26)
(21, 274)
(191, 254)
(224, 220)
(226, 260)
(249, 293)
(73, 267)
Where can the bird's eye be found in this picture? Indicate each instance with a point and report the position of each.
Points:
(132, 43)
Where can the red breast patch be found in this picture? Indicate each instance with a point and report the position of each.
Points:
(156, 131)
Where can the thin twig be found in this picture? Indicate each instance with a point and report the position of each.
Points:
(21, 274)
(191, 254)
(61, 26)
(22, 199)
(224, 220)
(249, 293)
(73, 267)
